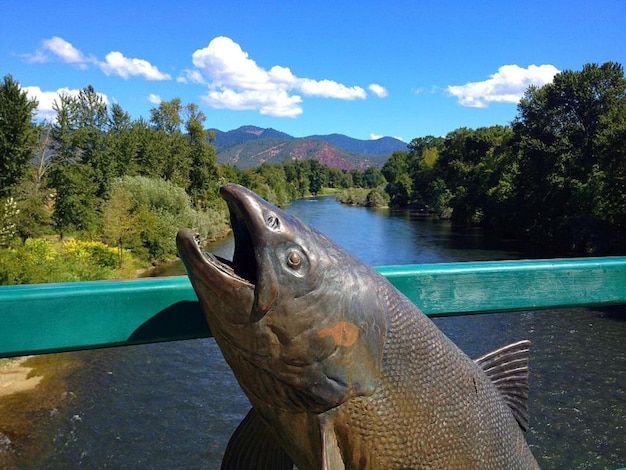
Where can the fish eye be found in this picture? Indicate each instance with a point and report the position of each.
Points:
(293, 259)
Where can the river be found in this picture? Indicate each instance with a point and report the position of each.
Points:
(175, 405)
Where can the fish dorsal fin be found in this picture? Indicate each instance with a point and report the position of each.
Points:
(331, 454)
(252, 446)
(507, 368)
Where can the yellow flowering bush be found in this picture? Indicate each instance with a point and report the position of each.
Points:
(38, 260)
(93, 251)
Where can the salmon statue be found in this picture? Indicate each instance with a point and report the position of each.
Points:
(341, 369)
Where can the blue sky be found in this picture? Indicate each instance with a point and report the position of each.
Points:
(365, 69)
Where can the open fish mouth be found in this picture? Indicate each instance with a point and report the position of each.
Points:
(202, 264)
(242, 269)
(227, 267)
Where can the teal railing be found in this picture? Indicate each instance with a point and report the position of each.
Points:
(46, 318)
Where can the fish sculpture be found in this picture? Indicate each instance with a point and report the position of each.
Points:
(341, 369)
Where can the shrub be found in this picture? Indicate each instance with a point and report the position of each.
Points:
(144, 214)
(40, 261)
(377, 197)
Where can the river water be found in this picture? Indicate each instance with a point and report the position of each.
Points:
(175, 405)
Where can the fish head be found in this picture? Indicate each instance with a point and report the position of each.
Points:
(298, 319)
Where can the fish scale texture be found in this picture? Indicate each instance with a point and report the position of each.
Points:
(434, 408)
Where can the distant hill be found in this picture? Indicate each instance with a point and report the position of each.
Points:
(250, 146)
(228, 139)
(382, 146)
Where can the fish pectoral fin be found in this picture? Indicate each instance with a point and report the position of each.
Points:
(252, 446)
(331, 454)
(507, 368)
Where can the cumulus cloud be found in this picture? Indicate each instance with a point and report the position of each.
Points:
(235, 81)
(278, 103)
(115, 63)
(507, 85)
(154, 98)
(378, 90)
(46, 99)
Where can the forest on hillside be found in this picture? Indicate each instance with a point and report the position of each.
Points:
(95, 190)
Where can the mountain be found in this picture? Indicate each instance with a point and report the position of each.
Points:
(250, 146)
(382, 146)
(228, 139)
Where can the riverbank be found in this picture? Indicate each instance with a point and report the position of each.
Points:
(32, 389)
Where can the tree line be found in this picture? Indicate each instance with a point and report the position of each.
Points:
(556, 176)
(96, 174)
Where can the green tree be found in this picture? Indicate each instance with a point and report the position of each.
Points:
(120, 227)
(167, 116)
(423, 155)
(571, 138)
(469, 164)
(318, 176)
(17, 133)
(297, 173)
(337, 178)
(203, 174)
(82, 122)
(176, 160)
(122, 143)
(75, 200)
(399, 183)
(275, 181)
(229, 173)
(34, 218)
(373, 177)
(152, 149)
(82, 169)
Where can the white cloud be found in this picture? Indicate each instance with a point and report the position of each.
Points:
(235, 81)
(507, 85)
(374, 136)
(330, 89)
(227, 65)
(154, 98)
(64, 50)
(46, 99)
(277, 104)
(58, 48)
(191, 76)
(378, 90)
(116, 64)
